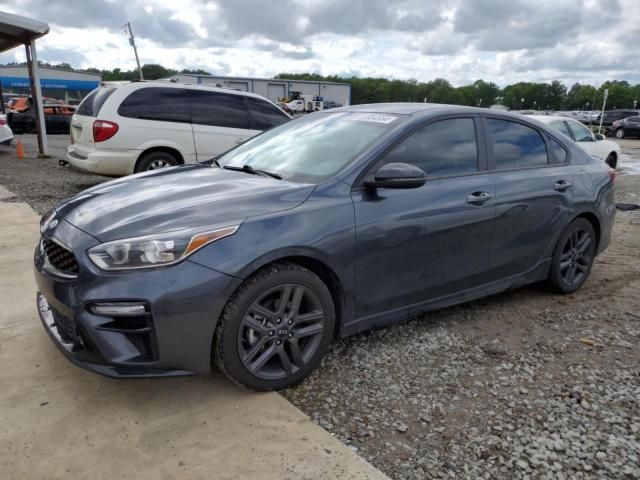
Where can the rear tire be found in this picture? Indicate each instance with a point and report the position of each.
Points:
(275, 329)
(620, 133)
(573, 257)
(156, 160)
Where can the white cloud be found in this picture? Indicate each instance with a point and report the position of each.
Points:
(461, 40)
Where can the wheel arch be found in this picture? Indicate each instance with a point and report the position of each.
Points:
(595, 223)
(317, 263)
(170, 150)
(613, 154)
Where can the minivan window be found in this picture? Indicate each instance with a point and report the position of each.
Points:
(516, 145)
(92, 103)
(445, 147)
(218, 109)
(156, 103)
(264, 115)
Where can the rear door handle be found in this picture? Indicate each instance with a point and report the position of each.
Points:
(478, 198)
(238, 141)
(561, 185)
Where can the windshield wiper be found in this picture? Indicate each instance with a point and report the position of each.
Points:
(253, 171)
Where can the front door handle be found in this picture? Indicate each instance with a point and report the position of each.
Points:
(561, 185)
(238, 141)
(478, 198)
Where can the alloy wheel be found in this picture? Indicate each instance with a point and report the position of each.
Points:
(620, 133)
(281, 331)
(575, 259)
(156, 164)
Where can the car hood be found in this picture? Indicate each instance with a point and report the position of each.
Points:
(175, 199)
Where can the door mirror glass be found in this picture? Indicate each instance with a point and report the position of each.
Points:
(599, 136)
(397, 175)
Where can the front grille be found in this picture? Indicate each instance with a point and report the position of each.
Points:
(61, 258)
(66, 326)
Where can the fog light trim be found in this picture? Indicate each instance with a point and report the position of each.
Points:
(119, 309)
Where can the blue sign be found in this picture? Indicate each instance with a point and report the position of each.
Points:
(23, 82)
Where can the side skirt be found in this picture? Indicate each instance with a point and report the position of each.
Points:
(536, 274)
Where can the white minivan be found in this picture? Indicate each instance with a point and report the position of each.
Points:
(124, 128)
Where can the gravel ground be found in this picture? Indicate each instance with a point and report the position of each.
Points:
(525, 384)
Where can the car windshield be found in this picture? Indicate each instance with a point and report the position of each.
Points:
(311, 149)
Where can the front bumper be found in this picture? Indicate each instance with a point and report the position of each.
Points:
(184, 302)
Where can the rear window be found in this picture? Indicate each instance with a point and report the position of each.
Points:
(156, 103)
(92, 103)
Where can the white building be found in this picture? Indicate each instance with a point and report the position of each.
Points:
(274, 89)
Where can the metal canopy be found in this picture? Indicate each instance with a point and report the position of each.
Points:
(15, 31)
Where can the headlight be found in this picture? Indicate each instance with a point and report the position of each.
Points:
(154, 250)
(46, 218)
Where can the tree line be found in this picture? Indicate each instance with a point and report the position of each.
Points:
(518, 96)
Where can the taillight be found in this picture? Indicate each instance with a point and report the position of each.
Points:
(612, 174)
(103, 130)
(3, 122)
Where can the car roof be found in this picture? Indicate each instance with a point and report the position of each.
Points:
(410, 108)
(138, 84)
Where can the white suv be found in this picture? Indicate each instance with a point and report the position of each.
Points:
(124, 128)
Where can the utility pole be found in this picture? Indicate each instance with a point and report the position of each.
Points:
(604, 103)
(132, 42)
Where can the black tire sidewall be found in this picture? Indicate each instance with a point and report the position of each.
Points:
(148, 158)
(555, 277)
(226, 353)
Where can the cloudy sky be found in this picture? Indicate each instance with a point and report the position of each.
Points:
(461, 40)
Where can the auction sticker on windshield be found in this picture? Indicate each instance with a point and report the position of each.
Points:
(372, 117)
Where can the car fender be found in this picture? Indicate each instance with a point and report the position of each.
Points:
(188, 157)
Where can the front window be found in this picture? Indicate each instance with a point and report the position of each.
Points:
(312, 149)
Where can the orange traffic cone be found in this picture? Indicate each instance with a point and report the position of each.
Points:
(19, 149)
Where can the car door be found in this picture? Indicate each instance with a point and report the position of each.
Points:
(632, 126)
(533, 195)
(424, 243)
(220, 122)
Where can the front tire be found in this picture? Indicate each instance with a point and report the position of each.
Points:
(620, 133)
(275, 329)
(573, 257)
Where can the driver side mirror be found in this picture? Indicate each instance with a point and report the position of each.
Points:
(397, 175)
(599, 136)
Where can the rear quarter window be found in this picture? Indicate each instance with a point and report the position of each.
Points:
(92, 103)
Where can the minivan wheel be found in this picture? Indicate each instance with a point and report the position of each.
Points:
(620, 133)
(573, 257)
(155, 161)
(275, 329)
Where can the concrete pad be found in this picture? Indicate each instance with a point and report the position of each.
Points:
(59, 421)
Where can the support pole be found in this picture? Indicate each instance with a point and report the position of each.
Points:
(36, 96)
